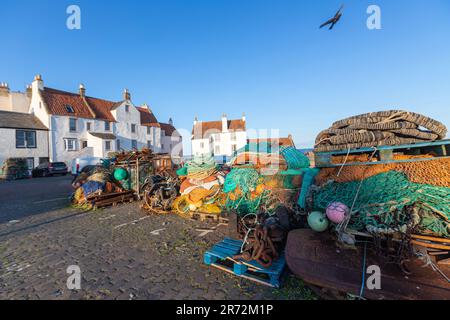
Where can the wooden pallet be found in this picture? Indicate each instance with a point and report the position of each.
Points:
(385, 154)
(111, 199)
(221, 255)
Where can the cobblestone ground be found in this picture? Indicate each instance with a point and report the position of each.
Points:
(122, 253)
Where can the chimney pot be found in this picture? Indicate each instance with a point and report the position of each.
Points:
(82, 90)
(126, 95)
(38, 77)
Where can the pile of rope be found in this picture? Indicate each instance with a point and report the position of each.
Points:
(201, 187)
(264, 236)
(382, 128)
(389, 203)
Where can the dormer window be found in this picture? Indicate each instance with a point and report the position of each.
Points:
(107, 126)
(69, 108)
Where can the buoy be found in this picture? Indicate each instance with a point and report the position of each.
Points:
(120, 174)
(337, 211)
(318, 221)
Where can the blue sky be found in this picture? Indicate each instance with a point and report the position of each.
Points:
(267, 58)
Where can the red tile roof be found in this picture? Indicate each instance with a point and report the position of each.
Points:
(286, 142)
(57, 101)
(203, 129)
(102, 108)
(147, 117)
(88, 107)
(169, 129)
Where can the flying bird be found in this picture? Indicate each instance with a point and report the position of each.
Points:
(334, 20)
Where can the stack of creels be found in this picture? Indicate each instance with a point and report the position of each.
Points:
(394, 127)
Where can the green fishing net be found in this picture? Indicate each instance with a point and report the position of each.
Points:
(387, 200)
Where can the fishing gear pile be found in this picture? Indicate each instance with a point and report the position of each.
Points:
(394, 127)
(201, 187)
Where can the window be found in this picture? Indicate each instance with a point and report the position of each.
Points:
(162, 146)
(69, 108)
(127, 108)
(88, 126)
(25, 139)
(217, 150)
(202, 145)
(133, 144)
(148, 130)
(107, 145)
(233, 136)
(149, 144)
(107, 126)
(70, 144)
(73, 125)
(118, 144)
(233, 148)
(218, 137)
(133, 128)
(84, 144)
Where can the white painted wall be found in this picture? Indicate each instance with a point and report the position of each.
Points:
(8, 146)
(221, 144)
(200, 146)
(59, 130)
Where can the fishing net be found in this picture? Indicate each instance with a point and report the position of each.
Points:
(389, 202)
(294, 158)
(201, 167)
(435, 172)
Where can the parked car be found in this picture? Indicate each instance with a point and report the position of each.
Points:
(49, 169)
(78, 164)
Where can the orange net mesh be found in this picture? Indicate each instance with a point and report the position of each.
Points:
(434, 172)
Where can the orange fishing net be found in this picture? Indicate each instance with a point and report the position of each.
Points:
(434, 172)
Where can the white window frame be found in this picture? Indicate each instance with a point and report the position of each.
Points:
(74, 146)
(75, 121)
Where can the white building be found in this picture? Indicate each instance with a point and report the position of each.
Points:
(220, 138)
(14, 101)
(80, 125)
(22, 135)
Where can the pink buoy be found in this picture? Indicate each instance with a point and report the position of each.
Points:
(337, 211)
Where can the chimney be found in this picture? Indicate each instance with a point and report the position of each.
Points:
(29, 91)
(126, 95)
(38, 83)
(82, 90)
(4, 89)
(171, 121)
(243, 117)
(224, 123)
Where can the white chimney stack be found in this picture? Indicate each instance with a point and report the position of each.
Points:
(82, 90)
(38, 83)
(224, 123)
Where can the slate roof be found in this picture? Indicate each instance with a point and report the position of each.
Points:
(104, 136)
(17, 120)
